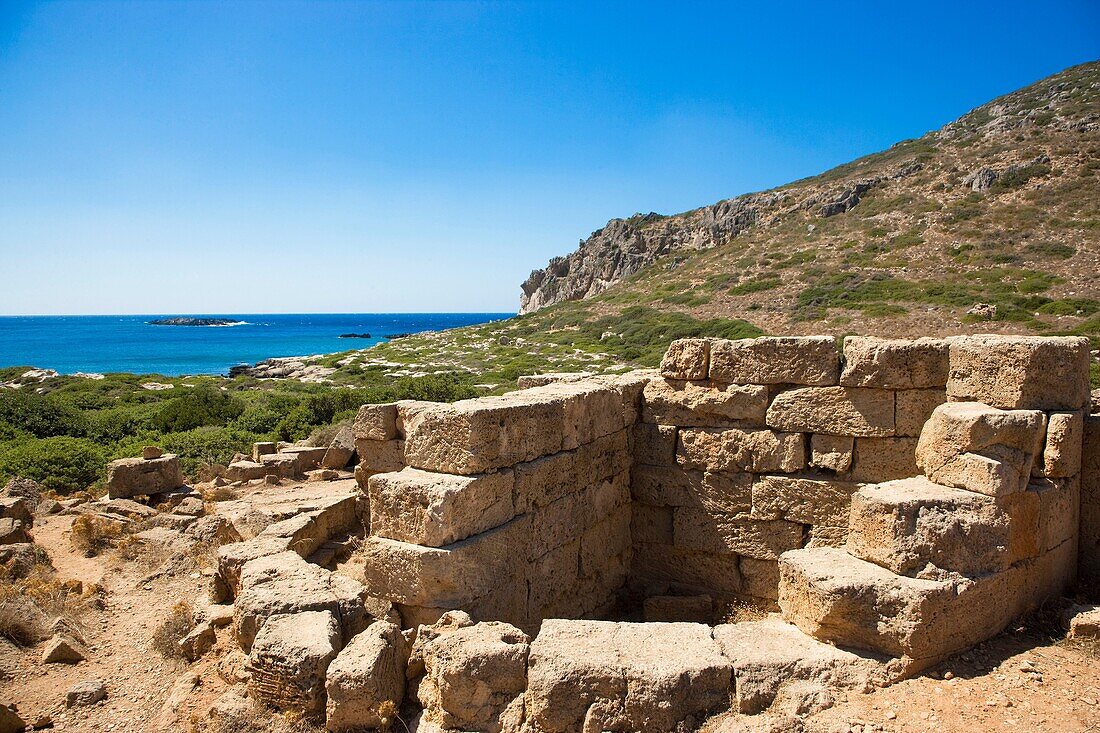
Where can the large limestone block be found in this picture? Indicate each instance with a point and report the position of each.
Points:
(1058, 511)
(804, 500)
(569, 516)
(308, 456)
(438, 509)
(484, 434)
(831, 452)
(697, 529)
(703, 404)
(716, 491)
(686, 359)
(607, 538)
(289, 658)
(769, 655)
(601, 676)
(809, 360)
(545, 480)
(1062, 450)
(341, 450)
(376, 422)
(380, 456)
(914, 526)
(446, 577)
(1013, 372)
(913, 407)
(128, 477)
(654, 445)
(1090, 500)
(287, 584)
(717, 574)
(884, 459)
(894, 363)
(835, 597)
(855, 411)
(232, 557)
(309, 530)
(365, 684)
(980, 448)
(759, 578)
(474, 678)
(651, 524)
(741, 450)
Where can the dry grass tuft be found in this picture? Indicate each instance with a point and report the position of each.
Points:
(219, 493)
(92, 535)
(743, 610)
(178, 624)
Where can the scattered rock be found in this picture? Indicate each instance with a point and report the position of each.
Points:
(85, 693)
(61, 649)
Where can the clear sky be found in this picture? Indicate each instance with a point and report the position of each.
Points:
(362, 157)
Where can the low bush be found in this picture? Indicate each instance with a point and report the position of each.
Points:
(61, 464)
(92, 535)
(176, 625)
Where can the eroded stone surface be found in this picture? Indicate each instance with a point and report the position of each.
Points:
(855, 411)
(365, 683)
(1020, 372)
(809, 360)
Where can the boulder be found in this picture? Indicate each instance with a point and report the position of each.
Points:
(150, 452)
(23, 488)
(474, 678)
(198, 641)
(129, 477)
(12, 532)
(289, 659)
(601, 675)
(808, 360)
(973, 446)
(365, 684)
(1082, 621)
(85, 693)
(341, 450)
(20, 558)
(10, 721)
(62, 649)
(1020, 372)
(17, 507)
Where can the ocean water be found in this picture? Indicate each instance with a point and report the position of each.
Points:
(131, 344)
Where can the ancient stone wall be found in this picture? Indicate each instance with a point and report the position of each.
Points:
(514, 508)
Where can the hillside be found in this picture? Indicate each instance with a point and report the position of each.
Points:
(1000, 207)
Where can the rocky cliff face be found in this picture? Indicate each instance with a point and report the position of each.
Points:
(1054, 109)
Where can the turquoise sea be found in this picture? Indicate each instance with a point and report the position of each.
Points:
(131, 344)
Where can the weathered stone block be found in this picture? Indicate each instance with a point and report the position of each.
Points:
(976, 447)
(697, 529)
(1062, 450)
(894, 363)
(341, 451)
(289, 659)
(609, 537)
(716, 491)
(884, 459)
(654, 445)
(908, 525)
(651, 524)
(376, 422)
(600, 675)
(365, 683)
(759, 578)
(831, 452)
(474, 678)
(804, 500)
(741, 450)
(128, 477)
(1059, 506)
(564, 519)
(1020, 372)
(705, 572)
(438, 509)
(380, 456)
(1089, 561)
(689, 609)
(810, 360)
(686, 359)
(855, 411)
(913, 407)
(703, 404)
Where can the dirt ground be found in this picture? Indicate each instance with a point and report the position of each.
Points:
(1026, 679)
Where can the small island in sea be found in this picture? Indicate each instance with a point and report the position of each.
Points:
(188, 321)
(355, 336)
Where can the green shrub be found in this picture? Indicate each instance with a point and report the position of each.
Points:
(199, 406)
(39, 415)
(62, 464)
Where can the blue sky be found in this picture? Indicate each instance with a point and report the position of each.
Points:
(364, 157)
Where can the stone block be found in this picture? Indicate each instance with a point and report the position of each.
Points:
(1058, 513)
(1020, 372)
(894, 363)
(913, 527)
(341, 450)
(375, 422)
(913, 407)
(20, 508)
(1089, 560)
(700, 530)
(308, 456)
(480, 435)
(365, 683)
(1062, 449)
(13, 532)
(129, 477)
(564, 519)
(973, 446)
(283, 465)
(651, 524)
(809, 360)
(438, 509)
(803, 500)
(689, 609)
(550, 574)
(245, 471)
(289, 659)
(599, 675)
(884, 459)
(855, 411)
(704, 572)
(545, 480)
(770, 655)
(380, 456)
(716, 491)
(654, 445)
(686, 359)
(831, 452)
(703, 404)
(609, 537)
(474, 678)
(741, 450)
(759, 578)
(262, 449)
